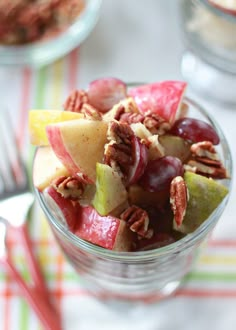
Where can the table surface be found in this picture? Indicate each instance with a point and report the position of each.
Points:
(135, 41)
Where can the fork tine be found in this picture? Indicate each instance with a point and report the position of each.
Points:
(19, 165)
(5, 168)
(14, 169)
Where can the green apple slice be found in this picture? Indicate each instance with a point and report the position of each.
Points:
(175, 146)
(110, 191)
(204, 197)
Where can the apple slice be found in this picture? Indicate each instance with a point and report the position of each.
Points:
(47, 167)
(39, 119)
(106, 92)
(163, 98)
(226, 6)
(63, 209)
(204, 197)
(79, 144)
(175, 146)
(106, 231)
(110, 191)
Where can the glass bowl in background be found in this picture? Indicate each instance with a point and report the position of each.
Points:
(147, 275)
(209, 62)
(43, 52)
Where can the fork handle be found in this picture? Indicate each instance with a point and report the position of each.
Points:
(46, 315)
(34, 268)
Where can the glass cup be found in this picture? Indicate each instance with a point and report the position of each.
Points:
(209, 61)
(57, 43)
(143, 276)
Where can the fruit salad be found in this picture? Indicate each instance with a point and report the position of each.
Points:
(127, 168)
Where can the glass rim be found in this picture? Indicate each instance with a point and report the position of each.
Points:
(185, 242)
(219, 12)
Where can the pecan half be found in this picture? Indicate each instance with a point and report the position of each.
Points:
(156, 124)
(126, 106)
(138, 221)
(69, 187)
(90, 112)
(75, 101)
(178, 199)
(118, 153)
(214, 170)
(204, 149)
(206, 161)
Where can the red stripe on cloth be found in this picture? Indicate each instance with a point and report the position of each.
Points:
(59, 280)
(201, 293)
(187, 293)
(24, 106)
(222, 243)
(73, 69)
(6, 312)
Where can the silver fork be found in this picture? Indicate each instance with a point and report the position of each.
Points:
(16, 200)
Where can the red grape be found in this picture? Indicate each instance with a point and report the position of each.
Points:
(160, 172)
(157, 241)
(194, 130)
(140, 162)
(105, 92)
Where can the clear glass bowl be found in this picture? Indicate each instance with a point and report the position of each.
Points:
(44, 52)
(147, 275)
(210, 58)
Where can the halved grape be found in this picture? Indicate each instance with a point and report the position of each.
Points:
(105, 92)
(160, 172)
(140, 161)
(157, 241)
(194, 130)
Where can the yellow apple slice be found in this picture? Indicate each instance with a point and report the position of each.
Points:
(47, 167)
(39, 119)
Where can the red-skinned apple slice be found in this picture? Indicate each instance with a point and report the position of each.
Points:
(56, 202)
(106, 92)
(79, 144)
(141, 159)
(163, 98)
(106, 231)
(224, 5)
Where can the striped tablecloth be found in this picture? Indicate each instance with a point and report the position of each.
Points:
(207, 298)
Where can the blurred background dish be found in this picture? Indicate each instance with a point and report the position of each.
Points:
(38, 33)
(209, 63)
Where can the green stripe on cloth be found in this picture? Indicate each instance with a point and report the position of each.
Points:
(210, 277)
(40, 87)
(24, 316)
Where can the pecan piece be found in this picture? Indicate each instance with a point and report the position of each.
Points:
(118, 153)
(178, 199)
(138, 221)
(206, 161)
(69, 187)
(217, 172)
(75, 101)
(126, 106)
(156, 124)
(204, 149)
(90, 112)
